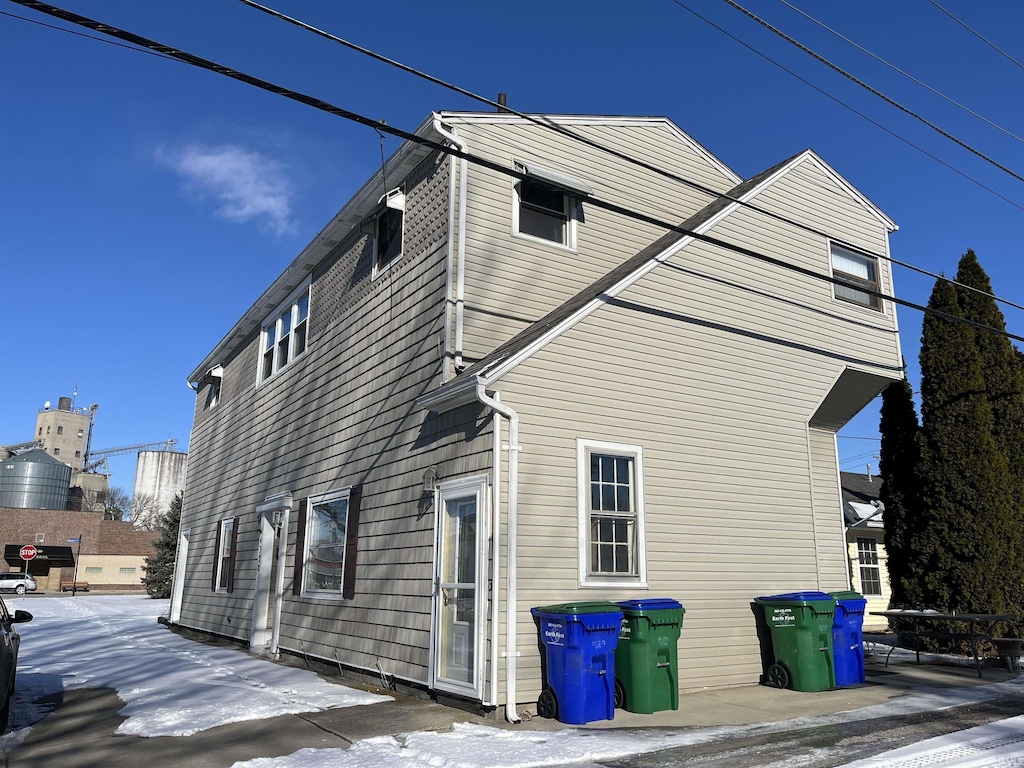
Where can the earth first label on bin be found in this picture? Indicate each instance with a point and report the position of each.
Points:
(782, 617)
(553, 632)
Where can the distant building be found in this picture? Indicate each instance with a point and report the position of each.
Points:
(865, 542)
(64, 432)
(159, 477)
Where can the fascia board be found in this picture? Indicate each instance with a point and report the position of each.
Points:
(397, 166)
(494, 118)
(502, 367)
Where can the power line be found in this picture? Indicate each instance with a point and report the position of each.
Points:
(590, 142)
(977, 34)
(384, 127)
(897, 69)
(614, 152)
(873, 90)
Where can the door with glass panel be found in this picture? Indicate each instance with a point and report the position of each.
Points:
(457, 591)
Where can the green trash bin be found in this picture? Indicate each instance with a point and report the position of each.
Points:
(801, 629)
(646, 659)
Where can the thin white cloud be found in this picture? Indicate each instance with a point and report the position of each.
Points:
(246, 185)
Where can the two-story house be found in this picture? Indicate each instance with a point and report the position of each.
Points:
(475, 392)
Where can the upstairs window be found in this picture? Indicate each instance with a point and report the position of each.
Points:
(284, 335)
(389, 231)
(60, 430)
(856, 271)
(547, 205)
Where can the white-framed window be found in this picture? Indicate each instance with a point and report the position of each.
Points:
(323, 572)
(857, 271)
(612, 546)
(126, 570)
(870, 572)
(389, 231)
(284, 335)
(227, 536)
(546, 205)
(94, 569)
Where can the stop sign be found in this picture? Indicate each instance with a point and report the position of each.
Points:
(28, 552)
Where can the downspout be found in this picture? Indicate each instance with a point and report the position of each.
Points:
(513, 448)
(495, 544)
(282, 551)
(460, 268)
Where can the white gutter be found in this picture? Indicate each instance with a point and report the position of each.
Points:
(495, 544)
(513, 448)
(282, 552)
(460, 269)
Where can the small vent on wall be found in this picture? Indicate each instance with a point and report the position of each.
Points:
(40, 537)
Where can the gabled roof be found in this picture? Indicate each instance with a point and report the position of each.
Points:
(536, 336)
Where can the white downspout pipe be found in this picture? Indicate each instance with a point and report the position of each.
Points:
(460, 262)
(282, 551)
(513, 448)
(495, 544)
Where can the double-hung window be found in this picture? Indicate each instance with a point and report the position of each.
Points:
(546, 205)
(227, 541)
(870, 572)
(326, 537)
(612, 546)
(856, 271)
(285, 334)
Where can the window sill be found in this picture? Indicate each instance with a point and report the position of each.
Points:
(542, 241)
(593, 584)
(329, 597)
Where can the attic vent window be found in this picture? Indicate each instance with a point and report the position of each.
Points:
(857, 271)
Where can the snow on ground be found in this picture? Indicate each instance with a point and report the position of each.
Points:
(171, 686)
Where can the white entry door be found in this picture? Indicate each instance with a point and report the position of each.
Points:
(458, 594)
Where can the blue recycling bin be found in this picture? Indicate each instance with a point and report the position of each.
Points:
(579, 644)
(847, 637)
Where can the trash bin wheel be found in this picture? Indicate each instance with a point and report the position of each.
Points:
(547, 704)
(776, 677)
(620, 695)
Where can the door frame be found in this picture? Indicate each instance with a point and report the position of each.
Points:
(271, 518)
(478, 485)
(178, 580)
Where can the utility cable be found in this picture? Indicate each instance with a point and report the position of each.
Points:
(977, 34)
(594, 144)
(897, 69)
(547, 124)
(873, 90)
(384, 127)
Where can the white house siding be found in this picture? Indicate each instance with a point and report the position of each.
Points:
(511, 281)
(342, 415)
(874, 602)
(714, 365)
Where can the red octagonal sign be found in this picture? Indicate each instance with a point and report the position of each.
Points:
(28, 552)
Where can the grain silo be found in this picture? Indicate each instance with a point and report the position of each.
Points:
(34, 480)
(159, 476)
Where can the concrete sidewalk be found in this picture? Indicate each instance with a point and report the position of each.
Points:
(80, 731)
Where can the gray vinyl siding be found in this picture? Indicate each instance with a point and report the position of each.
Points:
(714, 364)
(510, 280)
(342, 415)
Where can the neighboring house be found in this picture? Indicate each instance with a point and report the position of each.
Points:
(471, 394)
(865, 542)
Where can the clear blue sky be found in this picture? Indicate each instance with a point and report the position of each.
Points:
(145, 204)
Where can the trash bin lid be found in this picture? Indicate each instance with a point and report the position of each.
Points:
(576, 608)
(847, 594)
(801, 598)
(651, 604)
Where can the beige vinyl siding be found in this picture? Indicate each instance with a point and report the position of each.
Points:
(875, 602)
(343, 415)
(714, 364)
(829, 526)
(511, 281)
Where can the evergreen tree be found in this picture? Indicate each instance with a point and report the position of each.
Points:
(898, 466)
(965, 480)
(160, 567)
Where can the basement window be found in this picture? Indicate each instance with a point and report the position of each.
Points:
(857, 271)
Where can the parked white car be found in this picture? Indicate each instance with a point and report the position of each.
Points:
(17, 582)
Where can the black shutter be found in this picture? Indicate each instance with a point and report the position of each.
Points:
(348, 579)
(234, 554)
(300, 548)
